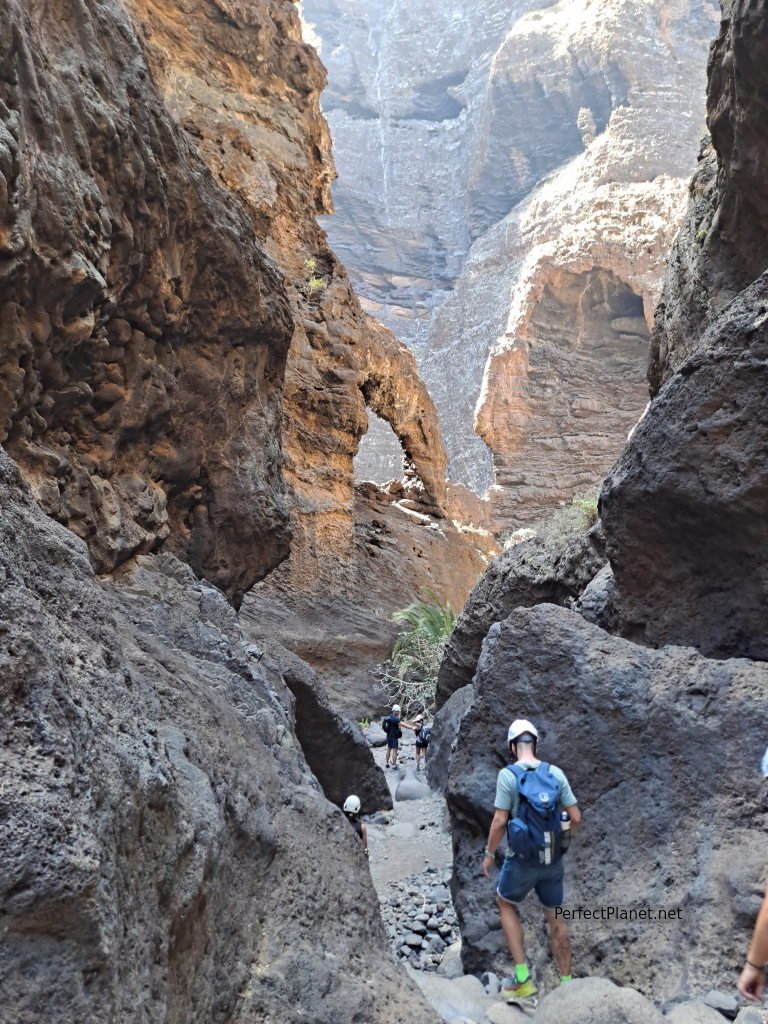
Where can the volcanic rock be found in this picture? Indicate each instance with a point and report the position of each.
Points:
(144, 330)
(166, 850)
(625, 723)
(409, 788)
(694, 1013)
(554, 570)
(596, 1001)
(682, 508)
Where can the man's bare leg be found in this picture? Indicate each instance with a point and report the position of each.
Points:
(559, 942)
(513, 930)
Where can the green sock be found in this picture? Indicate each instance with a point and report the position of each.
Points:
(521, 973)
(565, 977)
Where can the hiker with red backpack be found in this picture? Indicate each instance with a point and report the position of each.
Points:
(536, 808)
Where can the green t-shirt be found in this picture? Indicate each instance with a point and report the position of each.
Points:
(507, 798)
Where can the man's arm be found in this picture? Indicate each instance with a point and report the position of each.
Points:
(498, 828)
(752, 979)
(574, 814)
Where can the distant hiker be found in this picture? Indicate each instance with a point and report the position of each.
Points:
(529, 798)
(391, 726)
(422, 739)
(352, 811)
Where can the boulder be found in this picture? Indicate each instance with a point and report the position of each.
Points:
(724, 1002)
(750, 1015)
(333, 745)
(524, 575)
(445, 729)
(625, 723)
(376, 735)
(457, 997)
(694, 1013)
(450, 965)
(409, 788)
(595, 1001)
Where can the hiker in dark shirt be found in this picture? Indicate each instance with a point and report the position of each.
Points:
(352, 811)
(391, 726)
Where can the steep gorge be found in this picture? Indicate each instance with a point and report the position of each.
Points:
(511, 180)
(642, 703)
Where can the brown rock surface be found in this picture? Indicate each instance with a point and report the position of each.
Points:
(165, 852)
(640, 735)
(684, 507)
(144, 331)
(257, 121)
(334, 609)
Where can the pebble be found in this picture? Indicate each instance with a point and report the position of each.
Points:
(420, 919)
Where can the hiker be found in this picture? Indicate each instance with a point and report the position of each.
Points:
(391, 726)
(529, 798)
(752, 978)
(422, 739)
(352, 811)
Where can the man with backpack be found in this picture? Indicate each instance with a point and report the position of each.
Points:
(391, 726)
(422, 739)
(531, 797)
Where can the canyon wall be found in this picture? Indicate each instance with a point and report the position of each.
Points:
(166, 852)
(637, 721)
(563, 137)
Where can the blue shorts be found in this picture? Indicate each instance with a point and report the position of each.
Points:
(518, 878)
(392, 742)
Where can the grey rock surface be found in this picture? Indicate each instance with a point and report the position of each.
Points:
(626, 724)
(596, 1001)
(573, 177)
(410, 788)
(334, 746)
(694, 1013)
(683, 505)
(166, 853)
(445, 732)
(376, 735)
(555, 570)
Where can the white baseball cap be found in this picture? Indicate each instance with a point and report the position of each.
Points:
(520, 726)
(395, 707)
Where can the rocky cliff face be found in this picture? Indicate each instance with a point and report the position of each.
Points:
(684, 506)
(568, 132)
(144, 329)
(256, 120)
(166, 852)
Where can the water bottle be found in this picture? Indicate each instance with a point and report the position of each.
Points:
(565, 831)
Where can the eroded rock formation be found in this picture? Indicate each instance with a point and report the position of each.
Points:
(533, 572)
(144, 329)
(684, 507)
(567, 134)
(637, 725)
(166, 852)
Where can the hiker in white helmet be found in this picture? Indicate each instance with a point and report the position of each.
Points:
(531, 799)
(352, 811)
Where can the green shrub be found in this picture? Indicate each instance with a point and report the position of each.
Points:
(410, 676)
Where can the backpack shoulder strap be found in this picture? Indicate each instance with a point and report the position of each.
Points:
(516, 770)
(544, 767)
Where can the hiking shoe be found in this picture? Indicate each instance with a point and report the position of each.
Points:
(512, 990)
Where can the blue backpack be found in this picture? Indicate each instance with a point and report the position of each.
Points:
(534, 835)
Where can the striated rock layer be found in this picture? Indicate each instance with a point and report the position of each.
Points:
(684, 507)
(166, 853)
(510, 180)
